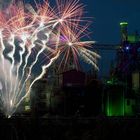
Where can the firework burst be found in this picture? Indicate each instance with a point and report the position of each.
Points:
(53, 32)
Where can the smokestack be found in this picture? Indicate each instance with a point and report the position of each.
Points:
(123, 26)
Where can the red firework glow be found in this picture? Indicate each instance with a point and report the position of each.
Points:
(64, 21)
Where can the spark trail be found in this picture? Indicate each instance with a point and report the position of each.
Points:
(53, 32)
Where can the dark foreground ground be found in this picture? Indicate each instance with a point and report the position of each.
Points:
(56, 128)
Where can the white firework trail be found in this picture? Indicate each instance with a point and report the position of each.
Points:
(33, 39)
(48, 31)
(88, 58)
(27, 56)
(11, 56)
(21, 53)
(2, 58)
(44, 67)
(30, 68)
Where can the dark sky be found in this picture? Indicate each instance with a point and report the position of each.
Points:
(107, 14)
(106, 30)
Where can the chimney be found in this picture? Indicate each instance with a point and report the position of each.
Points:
(123, 27)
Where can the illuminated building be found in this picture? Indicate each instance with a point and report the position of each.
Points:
(122, 96)
(118, 100)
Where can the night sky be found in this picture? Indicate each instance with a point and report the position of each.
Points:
(106, 16)
(106, 30)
